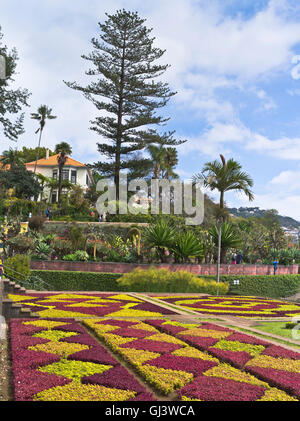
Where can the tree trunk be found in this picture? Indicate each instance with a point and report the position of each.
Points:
(223, 255)
(119, 128)
(38, 151)
(60, 170)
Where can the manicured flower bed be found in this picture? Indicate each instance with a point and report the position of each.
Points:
(235, 306)
(170, 360)
(58, 359)
(50, 362)
(86, 305)
(275, 365)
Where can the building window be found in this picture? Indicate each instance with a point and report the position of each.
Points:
(54, 174)
(73, 176)
(54, 197)
(65, 174)
(87, 181)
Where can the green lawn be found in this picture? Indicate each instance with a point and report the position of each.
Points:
(277, 328)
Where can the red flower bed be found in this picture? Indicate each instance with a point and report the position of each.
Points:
(133, 333)
(190, 365)
(236, 358)
(152, 346)
(29, 381)
(203, 343)
(290, 382)
(246, 339)
(117, 377)
(217, 389)
(279, 352)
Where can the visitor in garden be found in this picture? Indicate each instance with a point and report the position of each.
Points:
(239, 258)
(233, 258)
(275, 264)
(48, 214)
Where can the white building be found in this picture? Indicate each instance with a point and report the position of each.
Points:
(74, 171)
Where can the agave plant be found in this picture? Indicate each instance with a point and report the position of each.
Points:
(229, 238)
(43, 249)
(187, 245)
(160, 236)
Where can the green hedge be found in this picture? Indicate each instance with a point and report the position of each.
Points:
(78, 281)
(96, 281)
(263, 285)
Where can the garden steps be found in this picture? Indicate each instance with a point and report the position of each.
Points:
(10, 310)
(10, 287)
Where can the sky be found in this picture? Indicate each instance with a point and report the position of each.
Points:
(235, 65)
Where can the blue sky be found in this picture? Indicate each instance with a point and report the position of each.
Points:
(234, 63)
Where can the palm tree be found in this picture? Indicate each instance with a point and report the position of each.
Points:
(63, 149)
(170, 161)
(43, 114)
(11, 158)
(225, 176)
(157, 154)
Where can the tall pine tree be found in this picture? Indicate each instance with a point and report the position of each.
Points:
(11, 100)
(125, 62)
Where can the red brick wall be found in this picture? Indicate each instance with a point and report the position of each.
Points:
(198, 269)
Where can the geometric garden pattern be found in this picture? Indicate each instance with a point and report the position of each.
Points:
(63, 305)
(238, 306)
(126, 359)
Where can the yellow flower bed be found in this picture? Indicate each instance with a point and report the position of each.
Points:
(59, 348)
(226, 371)
(165, 380)
(84, 392)
(284, 364)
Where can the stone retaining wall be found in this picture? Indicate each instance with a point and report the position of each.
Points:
(242, 269)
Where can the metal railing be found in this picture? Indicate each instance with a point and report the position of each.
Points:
(32, 282)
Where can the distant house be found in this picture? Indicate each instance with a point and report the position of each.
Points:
(73, 171)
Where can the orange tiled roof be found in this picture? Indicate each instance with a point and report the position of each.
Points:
(4, 167)
(52, 162)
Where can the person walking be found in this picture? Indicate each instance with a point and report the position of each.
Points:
(239, 258)
(275, 265)
(48, 214)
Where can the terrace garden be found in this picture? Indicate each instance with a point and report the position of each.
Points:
(145, 347)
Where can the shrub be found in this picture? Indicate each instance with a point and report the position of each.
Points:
(18, 267)
(20, 244)
(36, 222)
(187, 245)
(62, 247)
(163, 280)
(160, 236)
(79, 255)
